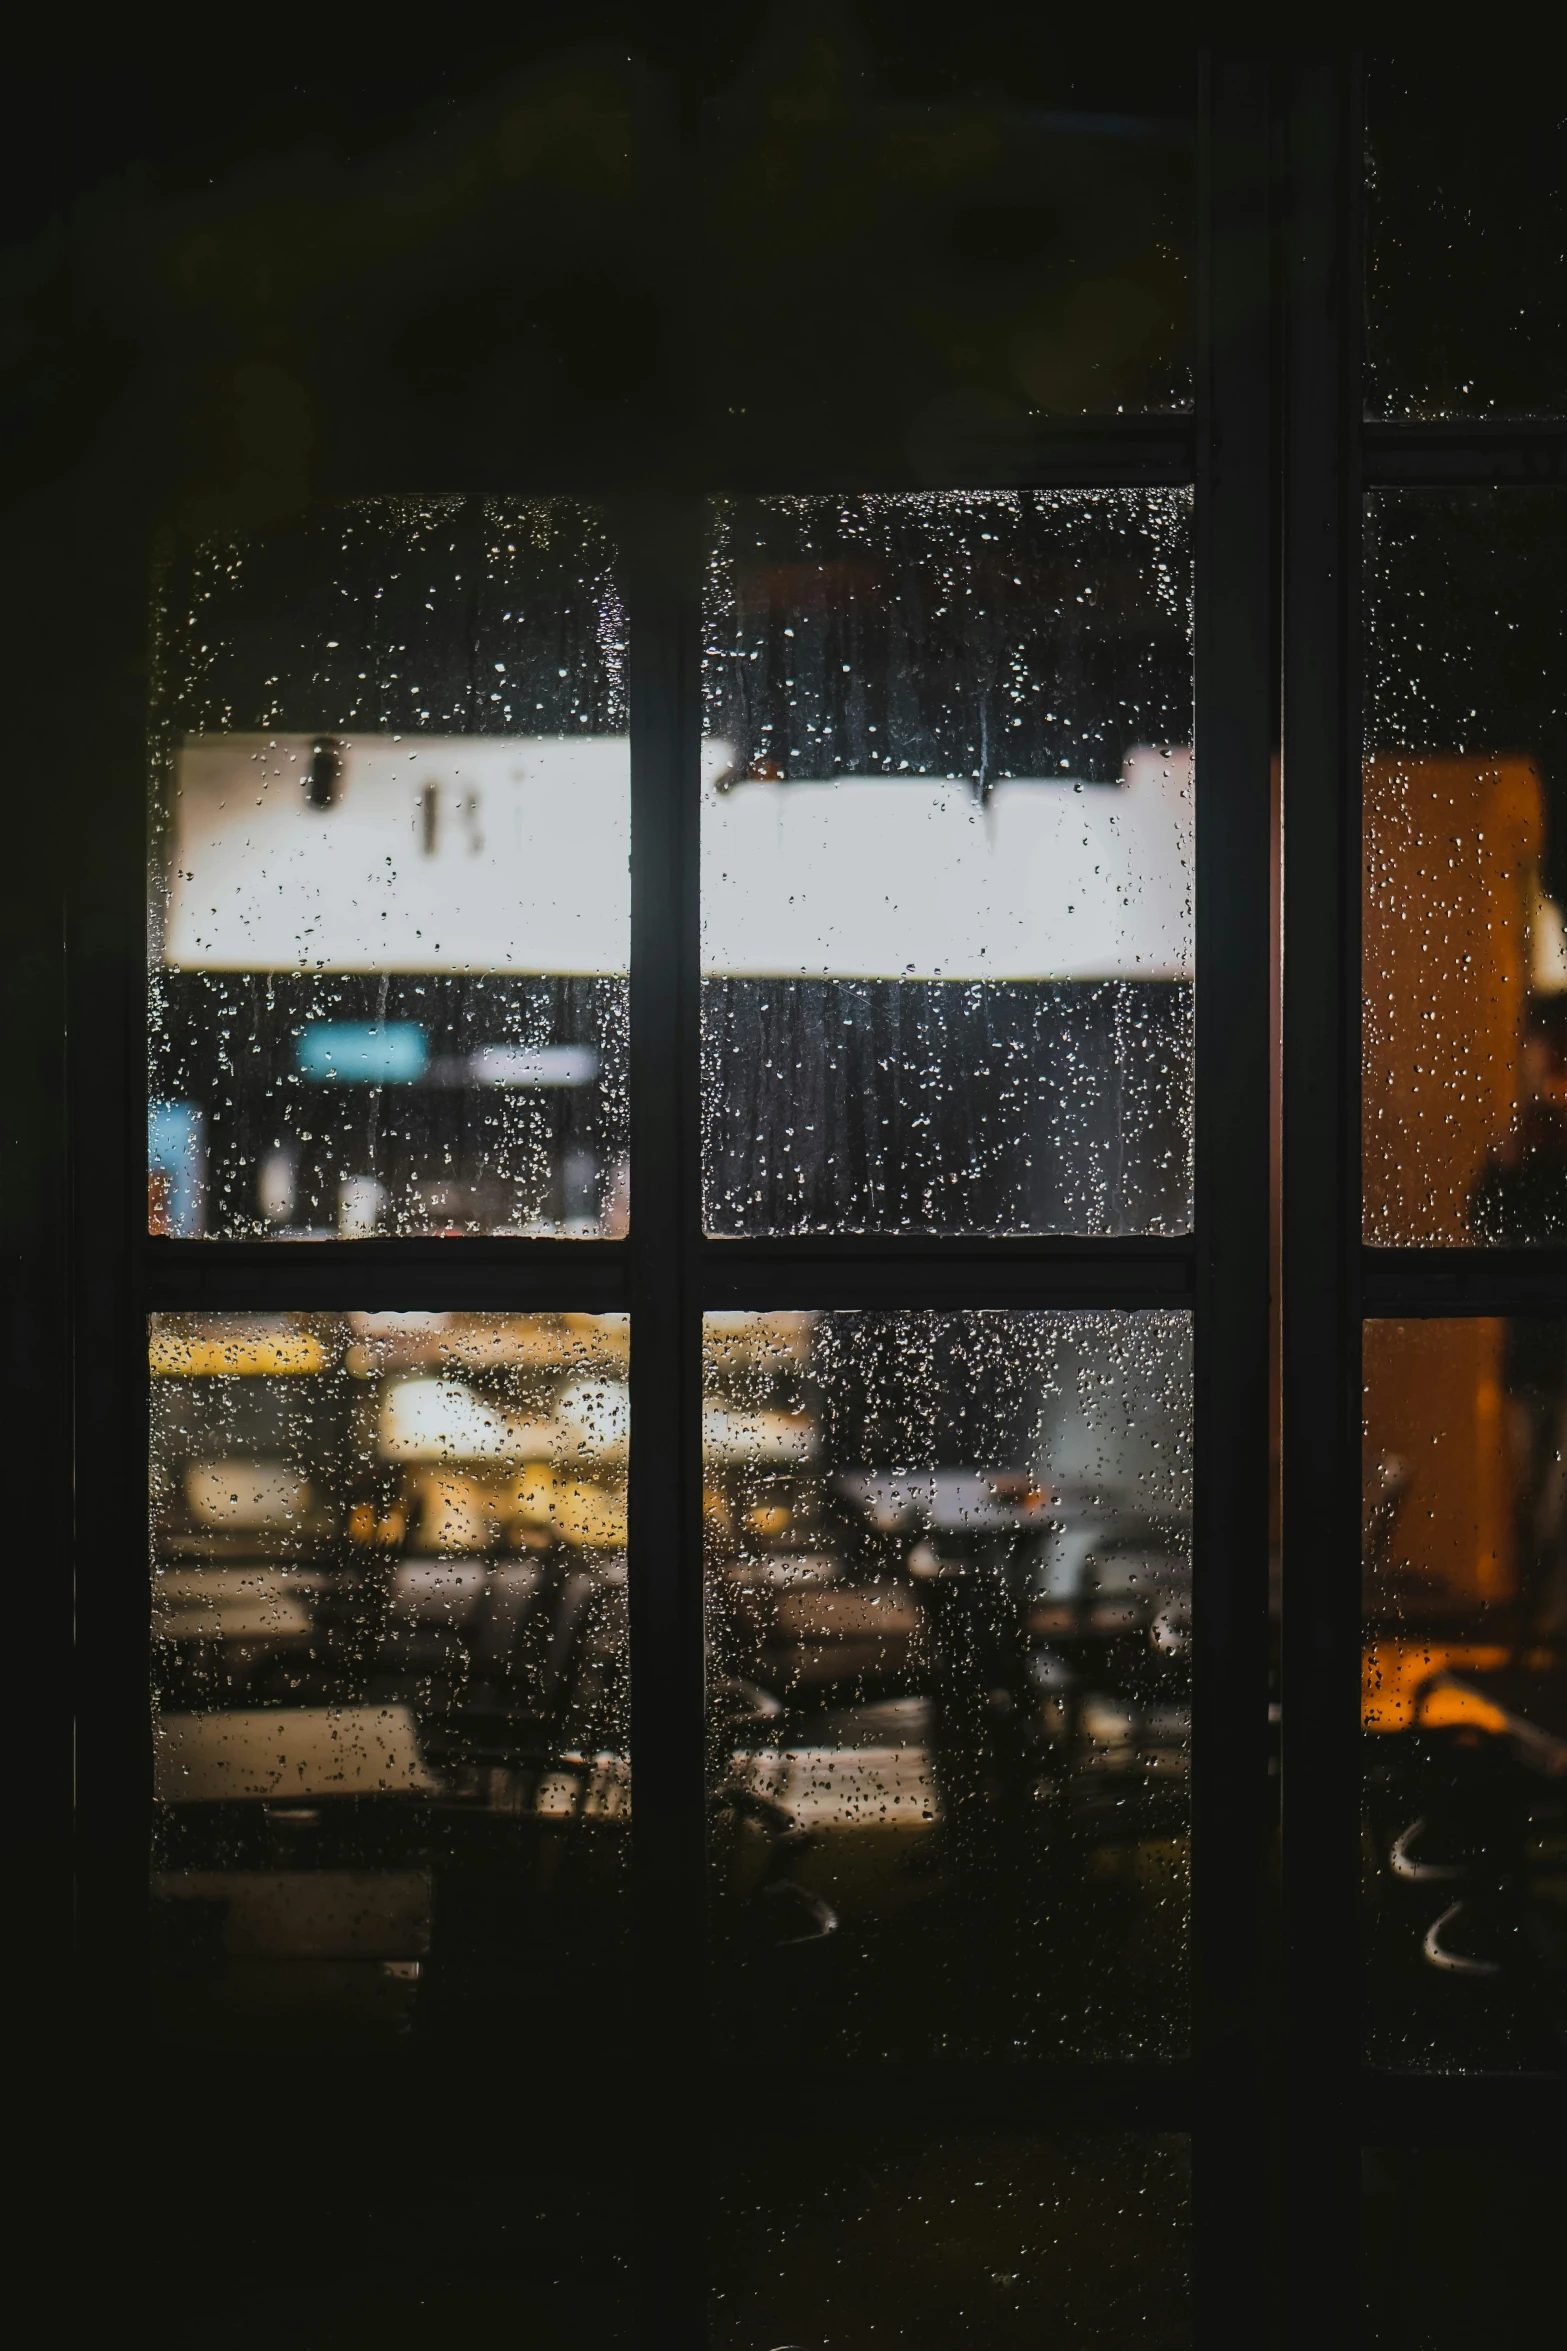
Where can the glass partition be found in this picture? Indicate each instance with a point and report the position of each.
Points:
(1465, 1704)
(923, 250)
(1466, 179)
(1457, 2240)
(390, 894)
(1465, 847)
(947, 864)
(949, 1631)
(389, 1670)
(859, 2232)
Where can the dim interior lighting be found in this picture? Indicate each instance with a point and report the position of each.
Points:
(234, 1355)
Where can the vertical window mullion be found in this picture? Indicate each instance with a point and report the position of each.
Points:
(104, 1061)
(1235, 652)
(1321, 1211)
(668, 1810)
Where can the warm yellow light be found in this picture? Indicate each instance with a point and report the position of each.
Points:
(235, 1354)
(1394, 1674)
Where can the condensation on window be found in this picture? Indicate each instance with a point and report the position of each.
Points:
(924, 248)
(947, 841)
(391, 1760)
(390, 896)
(854, 2232)
(948, 1564)
(1464, 1035)
(1465, 1748)
(1466, 174)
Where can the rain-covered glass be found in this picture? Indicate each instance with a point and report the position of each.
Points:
(390, 888)
(1466, 184)
(1465, 954)
(1465, 1702)
(947, 864)
(949, 1703)
(860, 2232)
(923, 246)
(389, 1672)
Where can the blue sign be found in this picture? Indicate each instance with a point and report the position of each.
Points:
(364, 1052)
(176, 1150)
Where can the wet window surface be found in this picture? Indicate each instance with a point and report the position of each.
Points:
(920, 246)
(390, 890)
(389, 1671)
(1465, 846)
(994, 2240)
(1466, 180)
(1465, 1735)
(949, 1628)
(921, 458)
(947, 864)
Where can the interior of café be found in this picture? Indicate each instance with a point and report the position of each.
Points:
(810, 785)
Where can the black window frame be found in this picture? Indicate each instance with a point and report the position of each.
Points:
(1333, 2104)
(1276, 2098)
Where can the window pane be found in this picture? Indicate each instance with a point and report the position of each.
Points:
(391, 898)
(1457, 2241)
(408, 2232)
(1467, 178)
(1465, 956)
(850, 2235)
(924, 245)
(1466, 1692)
(390, 1670)
(949, 1590)
(946, 864)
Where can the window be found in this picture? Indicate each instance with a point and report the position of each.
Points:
(855, 1516)
(1421, 1270)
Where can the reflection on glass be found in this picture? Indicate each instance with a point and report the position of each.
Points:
(1466, 180)
(389, 1665)
(390, 911)
(947, 864)
(1465, 956)
(949, 1589)
(1465, 1701)
(866, 2235)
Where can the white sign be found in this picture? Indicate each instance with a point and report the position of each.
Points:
(911, 877)
(510, 853)
(438, 853)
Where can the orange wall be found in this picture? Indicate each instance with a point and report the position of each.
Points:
(1433, 1398)
(1450, 852)
(1451, 847)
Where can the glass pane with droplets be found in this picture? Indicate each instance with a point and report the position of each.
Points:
(948, 1568)
(947, 864)
(391, 1764)
(1464, 1034)
(926, 247)
(855, 2231)
(1466, 179)
(390, 889)
(1465, 1693)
